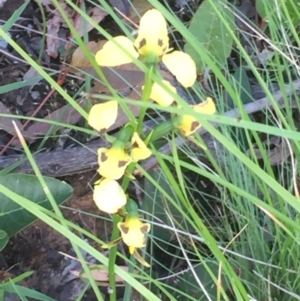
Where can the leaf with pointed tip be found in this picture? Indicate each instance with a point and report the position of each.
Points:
(209, 31)
(13, 218)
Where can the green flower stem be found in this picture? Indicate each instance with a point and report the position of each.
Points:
(126, 180)
(112, 258)
(160, 130)
(124, 135)
(132, 208)
(145, 97)
(116, 235)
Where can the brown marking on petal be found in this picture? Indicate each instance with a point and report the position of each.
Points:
(136, 49)
(103, 157)
(160, 43)
(194, 125)
(142, 43)
(122, 163)
(124, 229)
(102, 131)
(145, 229)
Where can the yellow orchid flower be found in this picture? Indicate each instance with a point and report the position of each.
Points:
(133, 232)
(152, 44)
(188, 124)
(103, 115)
(112, 162)
(139, 150)
(109, 196)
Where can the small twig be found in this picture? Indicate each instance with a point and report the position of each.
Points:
(126, 18)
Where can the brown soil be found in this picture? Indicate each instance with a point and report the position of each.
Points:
(37, 248)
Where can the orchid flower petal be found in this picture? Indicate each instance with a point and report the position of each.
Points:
(152, 36)
(114, 52)
(161, 95)
(109, 196)
(103, 115)
(112, 162)
(182, 66)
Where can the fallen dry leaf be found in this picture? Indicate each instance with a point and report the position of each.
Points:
(53, 26)
(100, 274)
(6, 123)
(140, 7)
(79, 59)
(96, 13)
(120, 78)
(54, 23)
(66, 114)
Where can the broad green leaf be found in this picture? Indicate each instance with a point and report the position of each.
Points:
(262, 7)
(266, 9)
(3, 239)
(189, 285)
(14, 218)
(210, 32)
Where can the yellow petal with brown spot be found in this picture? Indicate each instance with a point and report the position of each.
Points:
(205, 107)
(189, 124)
(152, 36)
(139, 150)
(112, 162)
(133, 232)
